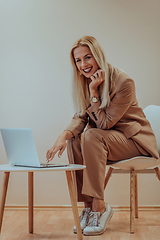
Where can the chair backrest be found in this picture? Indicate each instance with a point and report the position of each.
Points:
(152, 113)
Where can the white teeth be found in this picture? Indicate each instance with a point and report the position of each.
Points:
(87, 70)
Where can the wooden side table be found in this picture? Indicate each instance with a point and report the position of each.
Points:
(6, 169)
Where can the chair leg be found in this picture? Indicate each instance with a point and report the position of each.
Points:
(74, 204)
(132, 199)
(136, 197)
(108, 175)
(30, 201)
(3, 196)
(157, 172)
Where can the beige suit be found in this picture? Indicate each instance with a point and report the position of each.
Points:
(119, 131)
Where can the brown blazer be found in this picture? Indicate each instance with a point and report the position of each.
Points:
(122, 114)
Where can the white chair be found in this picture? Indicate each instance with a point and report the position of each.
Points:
(140, 164)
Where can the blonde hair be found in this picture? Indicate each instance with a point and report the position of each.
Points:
(80, 83)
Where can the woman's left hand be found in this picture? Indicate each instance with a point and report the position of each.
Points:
(97, 78)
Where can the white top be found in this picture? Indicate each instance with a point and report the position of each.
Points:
(11, 168)
(137, 163)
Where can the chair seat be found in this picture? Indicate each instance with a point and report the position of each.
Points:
(137, 163)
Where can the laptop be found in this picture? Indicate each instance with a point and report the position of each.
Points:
(21, 150)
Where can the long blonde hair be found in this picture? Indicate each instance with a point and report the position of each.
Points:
(80, 83)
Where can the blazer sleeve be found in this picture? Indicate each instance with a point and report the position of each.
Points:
(119, 104)
(77, 124)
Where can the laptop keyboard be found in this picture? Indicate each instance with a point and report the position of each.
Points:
(53, 165)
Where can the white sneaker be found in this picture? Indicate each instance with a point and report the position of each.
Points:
(98, 222)
(84, 218)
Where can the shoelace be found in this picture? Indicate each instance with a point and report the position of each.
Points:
(93, 219)
(84, 215)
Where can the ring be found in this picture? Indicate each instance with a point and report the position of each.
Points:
(96, 75)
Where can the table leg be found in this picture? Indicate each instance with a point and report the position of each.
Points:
(74, 204)
(30, 201)
(3, 197)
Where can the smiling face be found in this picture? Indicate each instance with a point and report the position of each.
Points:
(85, 61)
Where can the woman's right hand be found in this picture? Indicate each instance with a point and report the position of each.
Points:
(59, 146)
(97, 78)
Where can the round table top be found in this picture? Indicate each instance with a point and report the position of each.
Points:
(11, 168)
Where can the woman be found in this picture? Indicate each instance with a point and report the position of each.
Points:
(108, 125)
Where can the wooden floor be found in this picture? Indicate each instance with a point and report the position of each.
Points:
(58, 224)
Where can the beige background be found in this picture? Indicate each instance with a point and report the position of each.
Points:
(35, 75)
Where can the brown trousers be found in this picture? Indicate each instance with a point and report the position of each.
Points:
(92, 148)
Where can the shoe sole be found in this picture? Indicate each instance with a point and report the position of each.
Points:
(75, 231)
(99, 233)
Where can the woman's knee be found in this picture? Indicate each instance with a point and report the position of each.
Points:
(89, 135)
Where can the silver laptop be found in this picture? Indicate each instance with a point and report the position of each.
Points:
(20, 148)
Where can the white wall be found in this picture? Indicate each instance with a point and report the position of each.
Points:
(35, 75)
